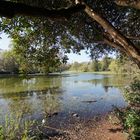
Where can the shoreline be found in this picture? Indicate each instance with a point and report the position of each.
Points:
(65, 73)
(106, 127)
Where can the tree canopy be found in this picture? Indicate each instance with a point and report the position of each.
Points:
(100, 26)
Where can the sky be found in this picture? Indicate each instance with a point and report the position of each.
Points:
(5, 42)
(79, 58)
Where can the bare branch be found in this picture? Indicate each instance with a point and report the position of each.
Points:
(133, 37)
(134, 4)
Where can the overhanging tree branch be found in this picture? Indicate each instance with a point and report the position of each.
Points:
(11, 9)
(134, 37)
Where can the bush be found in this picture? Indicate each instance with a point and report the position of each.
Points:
(132, 94)
(130, 117)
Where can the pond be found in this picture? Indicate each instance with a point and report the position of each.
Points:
(59, 97)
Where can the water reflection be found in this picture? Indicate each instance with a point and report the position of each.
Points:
(17, 84)
(111, 81)
(40, 97)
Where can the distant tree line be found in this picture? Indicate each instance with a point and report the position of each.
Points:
(120, 64)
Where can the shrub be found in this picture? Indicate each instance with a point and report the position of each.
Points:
(130, 117)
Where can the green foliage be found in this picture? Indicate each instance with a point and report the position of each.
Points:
(75, 66)
(94, 66)
(132, 123)
(113, 66)
(8, 62)
(15, 128)
(43, 60)
(123, 65)
(130, 120)
(130, 117)
(84, 67)
(119, 65)
(1, 133)
(132, 93)
(105, 63)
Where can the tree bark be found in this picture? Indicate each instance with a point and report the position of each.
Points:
(134, 4)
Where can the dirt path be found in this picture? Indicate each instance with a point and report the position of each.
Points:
(97, 129)
(106, 130)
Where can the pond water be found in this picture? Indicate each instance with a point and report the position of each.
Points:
(60, 96)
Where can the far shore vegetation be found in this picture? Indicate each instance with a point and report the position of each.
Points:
(13, 63)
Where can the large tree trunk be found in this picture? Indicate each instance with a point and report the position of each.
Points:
(116, 36)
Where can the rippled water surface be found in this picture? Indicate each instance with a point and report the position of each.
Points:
(59, 96)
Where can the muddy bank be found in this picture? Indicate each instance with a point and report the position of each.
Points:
(105, 127)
